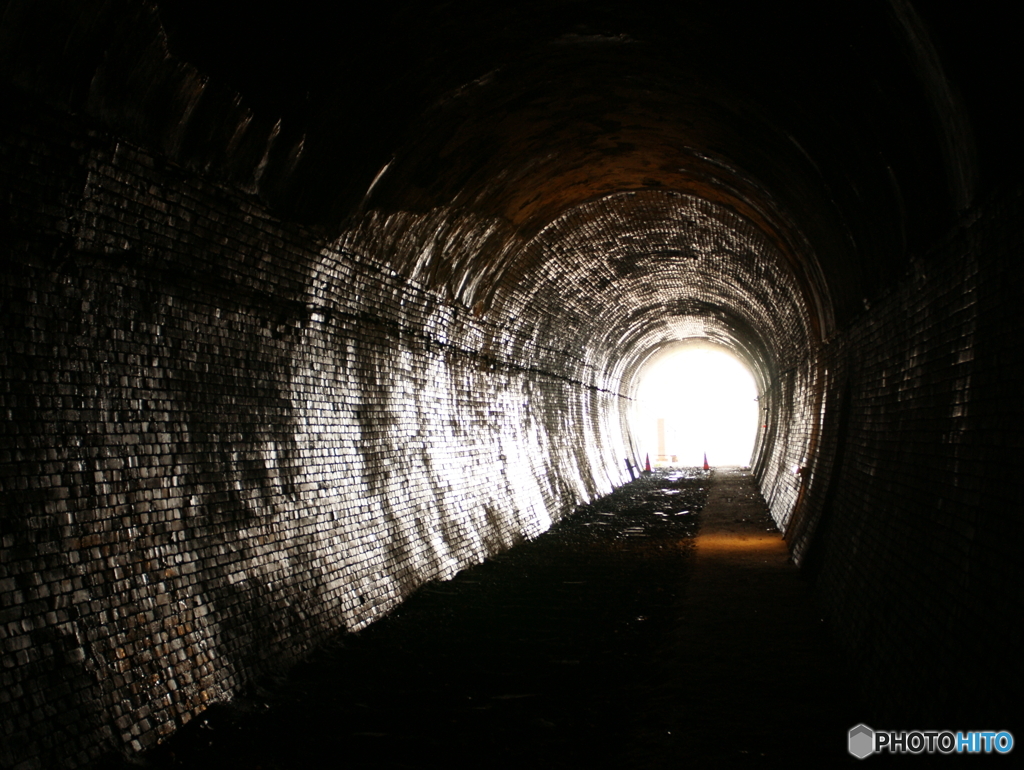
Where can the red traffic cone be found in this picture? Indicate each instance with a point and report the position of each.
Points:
(706, 466)
(647, 465)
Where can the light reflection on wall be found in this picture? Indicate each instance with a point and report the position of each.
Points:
(705, 401)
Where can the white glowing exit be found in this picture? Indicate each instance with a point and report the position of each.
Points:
(694, 401)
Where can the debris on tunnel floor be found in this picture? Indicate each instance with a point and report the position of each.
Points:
(566, 651)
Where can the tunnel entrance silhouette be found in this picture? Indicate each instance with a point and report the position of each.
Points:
(695, 399)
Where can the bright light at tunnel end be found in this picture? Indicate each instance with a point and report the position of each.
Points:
(696, 401)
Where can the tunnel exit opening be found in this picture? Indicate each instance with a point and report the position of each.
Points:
(695, 401)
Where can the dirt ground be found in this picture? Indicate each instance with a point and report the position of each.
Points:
(662, 626)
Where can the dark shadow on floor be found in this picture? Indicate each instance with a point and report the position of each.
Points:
(583, 648)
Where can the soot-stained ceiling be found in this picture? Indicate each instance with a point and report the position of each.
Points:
(579, 149)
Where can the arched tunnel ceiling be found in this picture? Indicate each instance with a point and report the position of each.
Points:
(626, 272)
(580, 149)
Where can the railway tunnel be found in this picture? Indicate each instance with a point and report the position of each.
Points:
(303, 311)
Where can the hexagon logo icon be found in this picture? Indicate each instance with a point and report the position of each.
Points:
(862, 741)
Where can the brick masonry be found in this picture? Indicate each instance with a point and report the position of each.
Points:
(227, 436)
(906, 429)
(225, 439)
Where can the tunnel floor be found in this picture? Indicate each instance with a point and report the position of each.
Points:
(658, 627)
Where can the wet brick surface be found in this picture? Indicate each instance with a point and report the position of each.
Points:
(543, 656)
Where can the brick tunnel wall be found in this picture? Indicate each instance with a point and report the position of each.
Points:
(225, 439)
(906, 428)
(175, 526)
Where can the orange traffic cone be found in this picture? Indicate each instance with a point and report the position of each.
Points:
(647, 465)
(706, 466)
